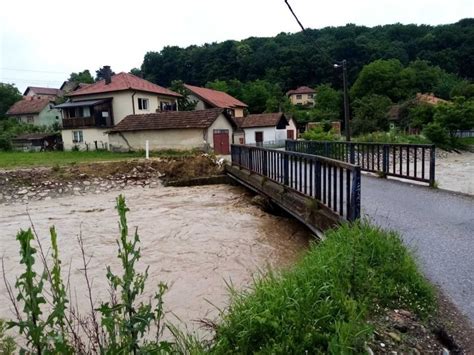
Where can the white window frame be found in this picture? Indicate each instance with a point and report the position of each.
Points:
(77, 137)
(143, 103)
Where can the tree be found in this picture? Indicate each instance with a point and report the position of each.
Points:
(9, 94)
(136, 72)
(458, 115)
(420, 114)
(184, 103)
(370, 114)
(84, 77)
(100, 74)
(381, 77)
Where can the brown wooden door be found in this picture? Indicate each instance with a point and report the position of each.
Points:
(290, 134)
(221, 141)
(258, 137)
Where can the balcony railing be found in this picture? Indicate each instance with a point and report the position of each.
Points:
(80, 122)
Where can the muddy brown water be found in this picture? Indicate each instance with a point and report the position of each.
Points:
(193, 238)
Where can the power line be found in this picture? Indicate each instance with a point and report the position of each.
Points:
(323, 52)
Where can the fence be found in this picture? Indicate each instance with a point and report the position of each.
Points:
(464, 133)
(333, 183)
(408, 161)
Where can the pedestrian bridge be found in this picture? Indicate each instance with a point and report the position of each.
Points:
(319, 183)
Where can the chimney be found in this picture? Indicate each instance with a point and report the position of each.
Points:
(107, 74)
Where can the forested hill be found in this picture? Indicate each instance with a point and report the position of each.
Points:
(291, 60)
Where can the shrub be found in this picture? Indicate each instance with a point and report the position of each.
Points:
(437, 134)
(320, 305)
(319, 134)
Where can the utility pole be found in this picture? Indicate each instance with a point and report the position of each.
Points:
(347, 129)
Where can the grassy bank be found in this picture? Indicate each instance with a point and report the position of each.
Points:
(10, 160)
(323, 303)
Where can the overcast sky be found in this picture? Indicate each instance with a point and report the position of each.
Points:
(42, 42)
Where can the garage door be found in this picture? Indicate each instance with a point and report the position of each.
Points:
(221, 141)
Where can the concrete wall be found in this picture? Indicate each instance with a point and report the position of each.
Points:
(163, 139)
(89, 136)
(269, 134)
(200, 105)
(238, 112)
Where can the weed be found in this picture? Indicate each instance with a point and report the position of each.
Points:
(7, 343)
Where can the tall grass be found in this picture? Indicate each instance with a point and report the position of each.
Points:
(321, 305)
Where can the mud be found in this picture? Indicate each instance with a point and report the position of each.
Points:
(193, 238)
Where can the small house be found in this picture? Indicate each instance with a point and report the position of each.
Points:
(209, 129)
(302, 96)
(35, 110)
(208, 98)
(271, 128)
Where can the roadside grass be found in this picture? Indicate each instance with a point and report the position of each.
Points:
(10, 160)
(321, 305)
(391, 137)
(466, 141)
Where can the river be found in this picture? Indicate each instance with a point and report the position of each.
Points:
(193, 238)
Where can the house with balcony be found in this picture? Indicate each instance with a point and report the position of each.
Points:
(94, 109)
(302, 96)
(208, 98)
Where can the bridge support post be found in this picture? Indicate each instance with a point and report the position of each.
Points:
(385, 160)
(351, 153)
(286, 166)
(432, 165)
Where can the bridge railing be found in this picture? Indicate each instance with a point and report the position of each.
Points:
(407, 161)
(333, 183)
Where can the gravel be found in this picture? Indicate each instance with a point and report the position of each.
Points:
(437, 225)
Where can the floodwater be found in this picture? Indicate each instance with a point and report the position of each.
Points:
(193, 238)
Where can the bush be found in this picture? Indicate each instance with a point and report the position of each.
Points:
(394, 136)
(319, 134)
(437, 134)
(321, 304)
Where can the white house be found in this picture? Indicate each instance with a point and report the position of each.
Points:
(96, 108)
(209, 129)
(264, 128)
(35, 110)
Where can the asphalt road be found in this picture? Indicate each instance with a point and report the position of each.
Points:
(437, 225)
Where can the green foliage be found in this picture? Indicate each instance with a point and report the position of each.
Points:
(421, 114)
(84, 77)
(437, 134)
(184, 102)
(7, 343)
(100, 73)
(9, 94)
(458, 115)
(370, 114)
(127, 321)
(320, 134)
(290, 60)
(321, 304)
(393, 136)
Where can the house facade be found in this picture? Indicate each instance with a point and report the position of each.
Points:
(41, 91)
(208, 98)
(35, 110)
(209, 129)
(302, 96)
(264, 128)
(96, 108)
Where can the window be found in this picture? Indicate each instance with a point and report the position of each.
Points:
(142, 104)
(30, 119)
(298, 97)
(310, 96)
(77, 137)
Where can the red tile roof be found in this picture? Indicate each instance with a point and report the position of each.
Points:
(301, 90)
(170, 120)
(28, 105)
(429, 99)
(43, 91)
(260, 120)
(123, 81)
(214, 97)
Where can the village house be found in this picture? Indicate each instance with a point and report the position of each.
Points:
(35, 110)
(208, 129)
(209, 98)
(94, 109)
(40, 91)
(302, 96)
(271, 128)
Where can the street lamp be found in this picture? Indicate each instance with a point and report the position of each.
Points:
(343, 64)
